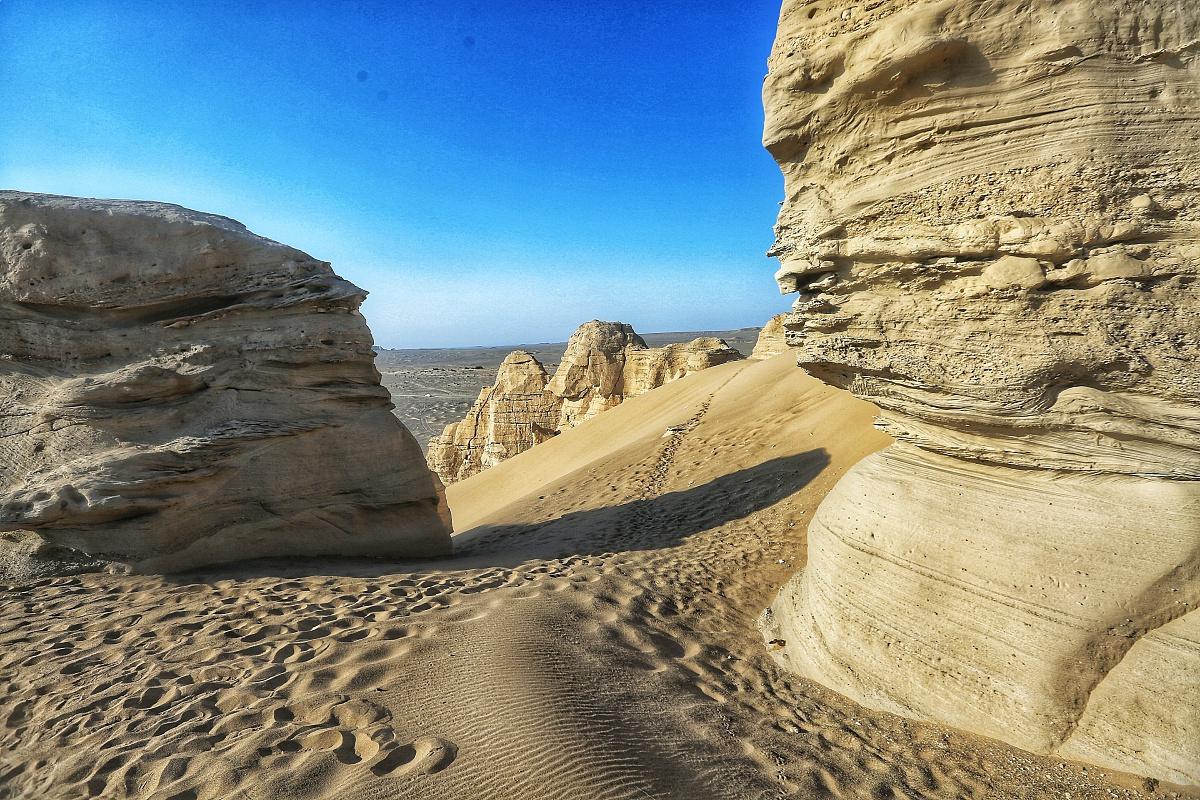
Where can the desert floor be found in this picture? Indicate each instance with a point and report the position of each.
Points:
(433, 387)
(594, 638)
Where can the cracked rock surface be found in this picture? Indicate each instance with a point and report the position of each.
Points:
(991, 223)
(604, 363)
(178, 391)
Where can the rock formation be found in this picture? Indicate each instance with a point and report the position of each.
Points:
(591, 376)
(178, 391)
(604, 363)
(991, 219)
(511, 416)
(771, 339)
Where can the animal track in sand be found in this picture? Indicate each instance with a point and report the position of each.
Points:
(425, 755)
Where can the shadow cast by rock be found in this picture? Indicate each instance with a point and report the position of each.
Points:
(644, 524)
(649, 523)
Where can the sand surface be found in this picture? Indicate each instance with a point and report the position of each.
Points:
(595, 638)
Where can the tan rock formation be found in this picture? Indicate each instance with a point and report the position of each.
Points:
(591, 376)
(604, 363)
(178, 391)
(509, 417)
(771, 339)
(991, 221)
(651, 368)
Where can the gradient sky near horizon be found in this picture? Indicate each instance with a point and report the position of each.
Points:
(493, 173)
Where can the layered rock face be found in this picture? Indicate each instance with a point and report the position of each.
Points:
(178, 391)
(591, 376)
(992, 222)
(511, 416)
(604, 363)
(772, 339)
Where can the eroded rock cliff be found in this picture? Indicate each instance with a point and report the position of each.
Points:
(991, 221)
(509, 417)
(604, 363)
(772, 339)
(178, 391)
(590, 378)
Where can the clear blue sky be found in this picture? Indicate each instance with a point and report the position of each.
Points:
(492, 172)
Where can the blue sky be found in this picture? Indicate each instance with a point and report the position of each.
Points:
(492, 173)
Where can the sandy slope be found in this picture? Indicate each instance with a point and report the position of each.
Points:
(594, 639)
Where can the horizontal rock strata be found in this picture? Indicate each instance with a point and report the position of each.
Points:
(604, 363)
(179, 391)
(991, 223)
(509, 417)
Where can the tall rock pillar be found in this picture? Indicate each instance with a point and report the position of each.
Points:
(992, 224)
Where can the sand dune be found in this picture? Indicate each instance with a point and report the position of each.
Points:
(593, 638)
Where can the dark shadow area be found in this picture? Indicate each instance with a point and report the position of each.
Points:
(645, 524)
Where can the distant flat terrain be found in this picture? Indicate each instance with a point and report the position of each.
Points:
(433, 387)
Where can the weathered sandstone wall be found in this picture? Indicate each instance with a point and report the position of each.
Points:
(992, 220)
(178, 391)
(772, 339)
(590, 378)
(509, 417)
(604, 363)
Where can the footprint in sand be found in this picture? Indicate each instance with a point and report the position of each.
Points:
(422, 756)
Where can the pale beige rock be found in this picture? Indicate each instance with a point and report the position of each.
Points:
(990, 217)
(604, 363)
(179, 391)
(511, 416)
(590, 378)
(772, 339)
(648, 369)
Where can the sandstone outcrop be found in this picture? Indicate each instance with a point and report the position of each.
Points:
(991, 221)
(604, 363)
(590, 378)
(178, 391)
(772, 339)
(509, 417)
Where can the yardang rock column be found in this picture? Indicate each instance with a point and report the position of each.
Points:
(178, 391)
(604, 363)
(991, 220)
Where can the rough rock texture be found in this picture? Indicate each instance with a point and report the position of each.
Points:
(771, 339)
(651, 368)
(508, 418)
(991, 218)
(591, 376)
(178, 391)
(604, 363)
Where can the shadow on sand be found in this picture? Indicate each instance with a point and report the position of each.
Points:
(646, 524)
(650, 523)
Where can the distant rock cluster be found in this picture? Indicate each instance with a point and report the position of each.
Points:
(604, 363)
(177, 391)
(992, 226)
